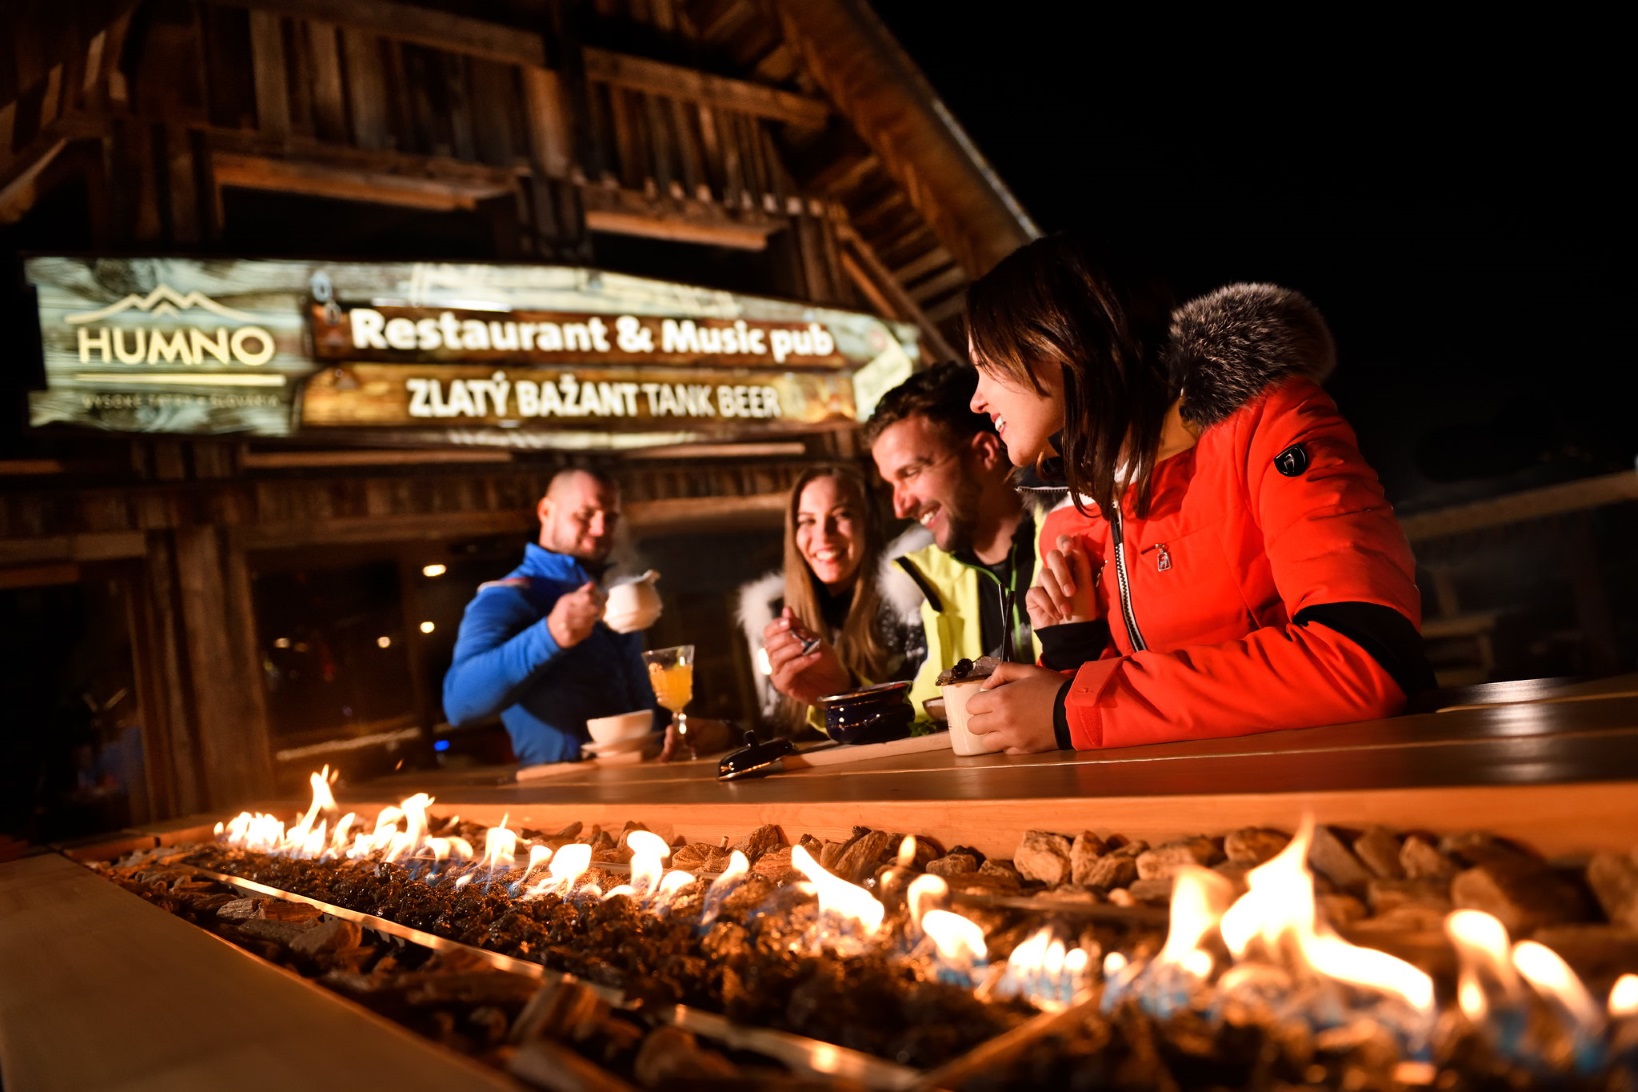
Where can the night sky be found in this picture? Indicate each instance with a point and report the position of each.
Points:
(1456, 200)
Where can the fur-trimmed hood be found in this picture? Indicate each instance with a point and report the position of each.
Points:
(1229, 345)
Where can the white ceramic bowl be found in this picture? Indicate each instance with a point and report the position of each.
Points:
(621, 728)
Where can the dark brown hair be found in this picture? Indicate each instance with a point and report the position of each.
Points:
(860, 645)
(1062, 302)
(942, 394)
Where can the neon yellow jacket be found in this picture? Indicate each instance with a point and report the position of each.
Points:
(951, 624)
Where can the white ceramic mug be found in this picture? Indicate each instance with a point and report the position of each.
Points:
(963, 742)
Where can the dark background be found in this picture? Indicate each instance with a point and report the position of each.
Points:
(1456, 200)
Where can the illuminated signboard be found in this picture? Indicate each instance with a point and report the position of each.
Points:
(521, 356)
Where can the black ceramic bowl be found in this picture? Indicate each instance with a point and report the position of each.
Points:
(871, 715)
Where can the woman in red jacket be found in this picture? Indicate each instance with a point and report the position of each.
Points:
(1226, 562)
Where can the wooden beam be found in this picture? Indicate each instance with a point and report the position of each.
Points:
(750, 450)
(697, 513)
(34, 576)
(414, 527)
(876, 281)
(627, 212)
(17, 193)
(413, 23)
(658, 78)
(350, 184)
(282, 460)
(1531, 504)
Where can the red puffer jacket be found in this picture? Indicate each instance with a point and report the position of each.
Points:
(1269, 585)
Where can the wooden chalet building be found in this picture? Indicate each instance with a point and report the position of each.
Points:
(195, 621)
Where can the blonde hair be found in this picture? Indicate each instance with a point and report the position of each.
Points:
(860, 646)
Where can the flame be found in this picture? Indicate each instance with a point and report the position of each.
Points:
(500, 847)
(1482, 944)
(538, 855)
(839, 901)
(1278, 914)
(674, 881)
(1624, 996)
(648, 854)
(907, 852)
(924, 893)
(568, 865)
(1545, 970)
(960, 942)
(1047, 972)
(323, 801)
(738, 866)
(1199, 899)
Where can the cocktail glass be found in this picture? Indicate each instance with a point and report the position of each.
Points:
(671, 672)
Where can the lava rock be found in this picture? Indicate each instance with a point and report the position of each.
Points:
(1521, 893)
(1044, 857)
(953, 864)
(1111, 872)
(1378, 848)
(1163, 862)
(1254, 845)
(1084, 851)
(1330, 856)
(1422, 860)
(1614, 880)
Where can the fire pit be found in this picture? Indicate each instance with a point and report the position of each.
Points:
(1318, 958)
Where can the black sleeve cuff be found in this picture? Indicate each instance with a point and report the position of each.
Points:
(1072, 644)
(1387, 636)
(1060, 716)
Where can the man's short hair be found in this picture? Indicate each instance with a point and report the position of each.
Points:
(597, 474)
(942, 394)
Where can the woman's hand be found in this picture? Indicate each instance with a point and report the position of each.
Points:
(1064, 591)
(805, 676)
(1013, 709)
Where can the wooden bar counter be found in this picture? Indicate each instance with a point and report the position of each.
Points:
(1558, 771)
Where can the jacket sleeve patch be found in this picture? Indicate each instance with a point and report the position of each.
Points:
(519, 582)
(1292, 461)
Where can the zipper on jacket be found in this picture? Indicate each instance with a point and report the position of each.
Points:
(1138, 644)
(1012, 613)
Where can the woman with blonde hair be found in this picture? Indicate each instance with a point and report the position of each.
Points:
(837, 593)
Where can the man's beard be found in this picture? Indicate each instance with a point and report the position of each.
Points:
(594, 559)
(960, 518)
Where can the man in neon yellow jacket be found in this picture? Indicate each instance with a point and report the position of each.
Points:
(949, 472)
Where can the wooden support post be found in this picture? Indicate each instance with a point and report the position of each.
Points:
(565, 56)
(267, 62)
(550, 122)
(693, 175)
(181, 186)
(366, 88)
(324, 72)
(213, 586)
(458, 101)
(176, 782)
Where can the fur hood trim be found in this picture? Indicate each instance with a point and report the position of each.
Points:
(1231, 344)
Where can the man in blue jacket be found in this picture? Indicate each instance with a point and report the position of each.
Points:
(532, 646)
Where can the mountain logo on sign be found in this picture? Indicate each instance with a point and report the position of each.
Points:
(163, 300)
(247, 345)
